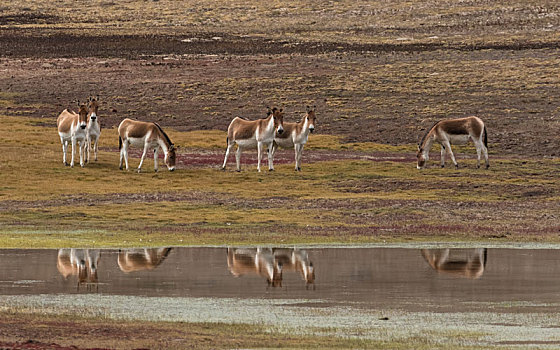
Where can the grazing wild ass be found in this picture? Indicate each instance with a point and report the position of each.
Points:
(254, 133)
(454, 131)
(146, 135)
(470, 267)
(259, 261)
(132, 260)
(295, 135)
(93, 127)
(72, 128)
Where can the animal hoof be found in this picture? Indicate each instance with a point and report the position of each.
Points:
(270, 169)
(223, 168)
(138, 171)
(298, 169)
(66, 164)
(238, 170)
(120, 168)
(443, 166)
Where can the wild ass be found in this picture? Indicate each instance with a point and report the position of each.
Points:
(72, 128)
(254, 133)
(132, 260)
(454, 131)
(295, 135)
(93, 127)
(470, 267)
(259, 261)
(149, 136)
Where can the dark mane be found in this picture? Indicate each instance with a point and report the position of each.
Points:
(426, 134)
(164, 134)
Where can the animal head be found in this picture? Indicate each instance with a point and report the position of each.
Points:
(311, 118)
(93, 106)
(83, 114)
(170, 157)
(278, 115)
(422, 157)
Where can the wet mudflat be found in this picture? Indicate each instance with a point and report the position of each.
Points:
(403, 278)
(488, 296)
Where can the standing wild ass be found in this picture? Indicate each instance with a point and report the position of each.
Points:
(72, 127)
(454, 131)
(146, 135)
(295, 135)
(254, 133)
(93, 127)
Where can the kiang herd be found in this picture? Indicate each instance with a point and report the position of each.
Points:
(82, 130)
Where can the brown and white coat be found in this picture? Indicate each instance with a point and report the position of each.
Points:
(72, 128)
(295, 135)
(132, 260)
(456, 131)
(93, 127)
(250, 134)
(470, 265)
(148, 136)
(259, 261)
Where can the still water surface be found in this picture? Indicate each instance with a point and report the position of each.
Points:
(364, 277)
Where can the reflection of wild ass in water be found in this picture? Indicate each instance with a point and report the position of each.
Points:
(148, 136)
(456, 131)
(259, 261)
(81, 263)
(470, 267)
(248, 134)
(296, 260)
(72, 128)
(295, 135)
(131, 260)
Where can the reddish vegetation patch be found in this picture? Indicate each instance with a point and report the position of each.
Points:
(35, 345)
(215, 158)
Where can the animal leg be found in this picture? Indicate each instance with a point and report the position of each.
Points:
(238, 158)
(259, 155)
(442, 156)
(448, 146)
(125, 148)
(485, 152)
(270, 157)
(73, 152)
(228, 149)
(82, 152)
(478, 146)
(300, 153)
(143, 156)
(86, 149)
(96, 147)
(156, 159)
(64, 149)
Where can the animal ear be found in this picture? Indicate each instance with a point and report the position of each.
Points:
(308, 109)
(97, 97)
(79, 104)
(274, 109)
(281, 110)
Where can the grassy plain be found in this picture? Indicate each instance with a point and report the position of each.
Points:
(45, 204)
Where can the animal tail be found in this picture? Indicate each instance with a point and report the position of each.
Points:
(485, 137)
(120, 142)
(227, 140)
